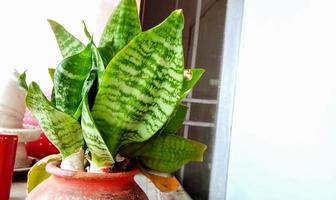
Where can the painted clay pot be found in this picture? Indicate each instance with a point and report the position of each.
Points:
(65, 184)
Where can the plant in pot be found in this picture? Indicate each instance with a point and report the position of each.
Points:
(115, 110)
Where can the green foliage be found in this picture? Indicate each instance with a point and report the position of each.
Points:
(37, 174)
(63, 130)
(141, 88)
(122, 26)
(69, 79)
(196, 74)
(165, 152)
(100, 154)
(176, 121)
(22, 80)
(68, 44)
(123, 96)
(98, 63)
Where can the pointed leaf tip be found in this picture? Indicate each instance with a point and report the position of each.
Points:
(178, 14)
(22, 80)
(122, 26)
(68, 44)
(86, 31)
(50, 21)
(175, 21)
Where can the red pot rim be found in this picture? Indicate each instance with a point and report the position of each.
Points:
(54, 169)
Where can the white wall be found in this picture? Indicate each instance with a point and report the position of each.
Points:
(284, 133)
(26, 40)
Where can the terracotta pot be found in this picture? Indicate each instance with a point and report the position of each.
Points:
(65, 184)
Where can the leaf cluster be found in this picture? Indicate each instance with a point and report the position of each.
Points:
(123, 96)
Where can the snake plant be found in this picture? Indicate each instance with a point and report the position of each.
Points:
(122, 97)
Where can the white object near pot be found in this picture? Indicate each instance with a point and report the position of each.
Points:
(12, 109)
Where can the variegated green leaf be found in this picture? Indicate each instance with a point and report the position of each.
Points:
(22, 80)
(69, 80)
(107, 52)
(97, 60)
(88, 83)
(98, 64)
(166, 152)
(100, 154)
(141, 85)
(68, 44)
(60, 128)
(196, 74)
(121, 27)
(176, 121)
(86, 31)
(131, 150)
(51, 72)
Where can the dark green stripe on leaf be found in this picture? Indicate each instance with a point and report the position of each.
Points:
(165, 153)
(51, 72)
(60, 128)
(98, 64)
(121, 27)
(68, 44)
(145, 80)
(107, 52)
(69, 80)
(100, 154)
(176, 121)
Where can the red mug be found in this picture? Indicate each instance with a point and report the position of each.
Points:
(8, 143)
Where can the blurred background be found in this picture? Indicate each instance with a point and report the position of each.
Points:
(265, 106)
(27, 41)
(284, 130)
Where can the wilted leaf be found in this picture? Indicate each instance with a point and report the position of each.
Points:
(37, 174)
(164, 184)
